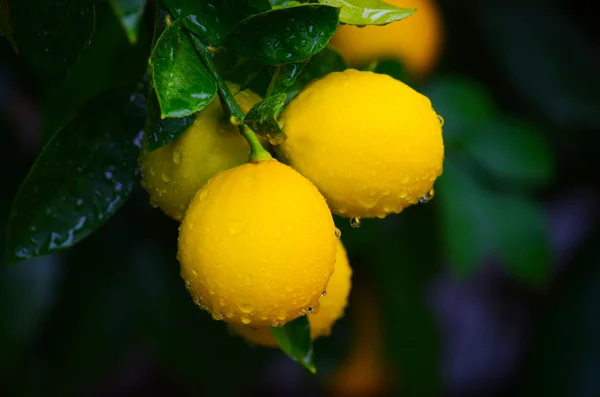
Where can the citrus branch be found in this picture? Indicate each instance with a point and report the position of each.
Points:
(257, 151)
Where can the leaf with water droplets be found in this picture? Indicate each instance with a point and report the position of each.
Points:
(80, 179)
(213, 19)
(262, 119)
(161, 132)
(368, 12)
(182, 83)
(295, 341)
(284, 35)
(51, 35)
(129, 13)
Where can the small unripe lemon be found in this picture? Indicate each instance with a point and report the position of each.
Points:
(415, 41)
(370, 143)
(331, 305)
(173, 173)
(257, 245)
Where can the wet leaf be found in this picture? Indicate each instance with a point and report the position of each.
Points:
(262, 119)
(213, 19)
(51, 35)
(513, 151)
(284, 35)
(285, 76)
(129, 13)
(368, 12)
(182, 83)
(294, 340)
(161, 132)
(521, 238)
(80, 179)
(321, 64)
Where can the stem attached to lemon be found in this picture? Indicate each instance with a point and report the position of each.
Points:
(257, 151)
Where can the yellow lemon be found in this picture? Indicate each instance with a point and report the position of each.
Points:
(331, 305)
(173, 173)
(370, 143)
(415, 41)
(257, 245)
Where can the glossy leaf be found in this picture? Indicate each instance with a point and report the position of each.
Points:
(284, 35)
(321, 64)
(5, 28)
(295, 341)
(466, 213)
(513, 151)
(182, 83)
(161, 132)
(522, 242)
(98, 60)
(129, 13)
(51, 35)
(213, 19)
(368, 12)
(285, 76)
(80, 179)
(262, 119)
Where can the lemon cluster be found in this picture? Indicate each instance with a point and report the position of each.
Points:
(257, 242)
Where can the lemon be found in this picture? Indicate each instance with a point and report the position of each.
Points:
(173, 173)
(371, 144)
(415, 41)
(257, 245)
(331, 305)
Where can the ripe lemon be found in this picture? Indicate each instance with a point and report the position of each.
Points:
(257, 245)
(415, 41)
(173, 173)
(331, 306)
(371, 144)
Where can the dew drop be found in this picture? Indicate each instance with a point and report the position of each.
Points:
(355, 222)
(441, 120)
(246, 320)
(245, 308)
(236, 226)
(324, 292)
(310, 310)
(338, 233)
(217, 316)
(177, 155)
(195, 273)
(427, 197)
(229, 314)
(165, 177)
(188, 285)
(204, 194)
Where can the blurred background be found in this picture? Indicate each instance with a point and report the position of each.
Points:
(492, 288)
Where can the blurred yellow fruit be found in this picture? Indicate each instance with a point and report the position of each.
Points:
(173, 173)
(331, 306)
(370, 143)
(364, 372)
(415, 41)
(257, 245)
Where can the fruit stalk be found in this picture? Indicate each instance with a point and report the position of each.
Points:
(257, 151)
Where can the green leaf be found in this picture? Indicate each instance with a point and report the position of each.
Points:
(368, 12)
(237, 70)
(129, 13)
(182, 83)
(295, 341)
(5, 28)
(80, 179)
(285, 76)
(98, 60)
(514, 151)
(161, 132)
(284, 35)
(321, 64)
(521, 238)
(262, 119)
(464, 104)
(213, 19)
(467, 219)
(51, 36)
